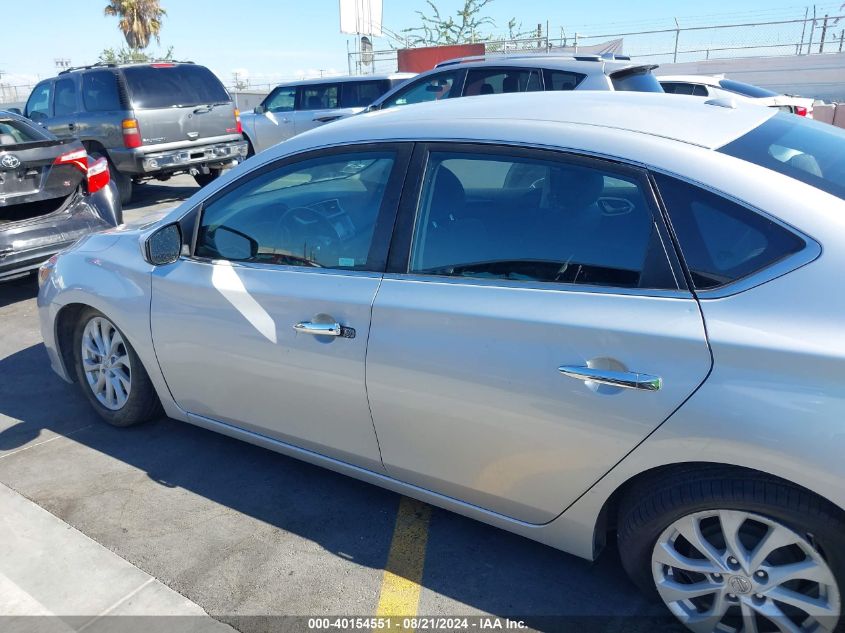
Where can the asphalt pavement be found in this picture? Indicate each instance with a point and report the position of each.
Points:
(245, 533)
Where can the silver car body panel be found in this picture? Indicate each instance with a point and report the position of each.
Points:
(773, 401)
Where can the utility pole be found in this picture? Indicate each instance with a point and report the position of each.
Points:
(824, 34)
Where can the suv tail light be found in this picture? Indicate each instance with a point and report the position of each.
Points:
(131, 133)
(238, 125)
(78, 158)
(803, 111)
(98, 175)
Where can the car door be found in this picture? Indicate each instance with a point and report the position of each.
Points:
(316, 105)
(531, 330)
(273, 121)
(65, 108)
(265, 325)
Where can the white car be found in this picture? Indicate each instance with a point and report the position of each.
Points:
(717, 86)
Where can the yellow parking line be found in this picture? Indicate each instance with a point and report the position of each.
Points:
(400, 587)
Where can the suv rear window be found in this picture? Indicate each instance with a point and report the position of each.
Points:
(15, 132)
(635, 80)
(166, 86)
(806, 150)
(746, 89)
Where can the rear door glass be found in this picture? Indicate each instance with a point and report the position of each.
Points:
(65, 99)
(318, 97)
(166, 86)
(99, 91)
(562, 79)
(494, 81)
(360, 94)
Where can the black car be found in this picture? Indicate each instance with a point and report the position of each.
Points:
(51, 194)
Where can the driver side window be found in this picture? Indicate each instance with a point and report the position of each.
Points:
(321, 212)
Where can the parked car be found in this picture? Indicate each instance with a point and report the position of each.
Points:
(497, 74)
(51, 194)
(562, 315)
(150, 120)
(716, 86)
(294, 107)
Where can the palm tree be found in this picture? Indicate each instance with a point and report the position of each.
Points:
(140, 20)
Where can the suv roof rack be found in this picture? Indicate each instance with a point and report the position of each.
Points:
(118, 65)
(543, 55)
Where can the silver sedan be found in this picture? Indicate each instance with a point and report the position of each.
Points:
(572, 316)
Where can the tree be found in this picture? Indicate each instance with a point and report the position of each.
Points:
(140, 20)
(127, 56)
(435, 30)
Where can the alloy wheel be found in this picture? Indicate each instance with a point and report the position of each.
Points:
(105, 363)
(732, 571)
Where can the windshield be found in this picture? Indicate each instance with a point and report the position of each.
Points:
(746, 89)
(806, 150)
(168, 86)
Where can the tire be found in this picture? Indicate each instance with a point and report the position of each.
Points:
(141, 402)
(206, 179)
(250, 150)
(123, 182)
(704, 503)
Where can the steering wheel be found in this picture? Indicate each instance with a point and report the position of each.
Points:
(308, 223)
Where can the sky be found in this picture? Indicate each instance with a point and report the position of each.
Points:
(271, 40)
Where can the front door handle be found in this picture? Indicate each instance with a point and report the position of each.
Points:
(325, 329)
(624, 379)
(318, 329)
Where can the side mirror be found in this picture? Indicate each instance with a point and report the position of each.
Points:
(164, 246)
(233, 245)
(259, 109)
(16, 111)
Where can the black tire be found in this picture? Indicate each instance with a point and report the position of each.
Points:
(250, 150)
(206, 179)
(142, 403)
(124, 183)
(657, 502)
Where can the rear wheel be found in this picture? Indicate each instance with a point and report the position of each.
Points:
(211, 176)
(730, 552)
(110, 373)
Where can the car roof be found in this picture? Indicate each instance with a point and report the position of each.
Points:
(690, 120)
(344, 78)
(586, 66)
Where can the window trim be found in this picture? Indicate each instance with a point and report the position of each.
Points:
(812, 249)
(403, 234)
(385, 218)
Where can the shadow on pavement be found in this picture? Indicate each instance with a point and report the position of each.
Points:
(480, 566)
(17, 290)
(155, 192)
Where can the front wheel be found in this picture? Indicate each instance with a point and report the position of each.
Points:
(110, 373)
(729, 552)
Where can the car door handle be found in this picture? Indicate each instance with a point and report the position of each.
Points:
(624, 379)
(319, 329)
(326, 118)
(71, 126)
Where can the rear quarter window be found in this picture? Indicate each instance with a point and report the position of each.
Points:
(166, 86)
(722, 241)
(100, 92)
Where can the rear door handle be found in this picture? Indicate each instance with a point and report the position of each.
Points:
(624, 379)
(324, 329)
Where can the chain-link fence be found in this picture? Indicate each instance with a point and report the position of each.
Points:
(802, 36)
(14, 94)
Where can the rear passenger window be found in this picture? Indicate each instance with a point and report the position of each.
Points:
(65, 99)
(319, 97)
(487, 81)
(722, 241)
(99, 91)
(562, 80)
(497, 217)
